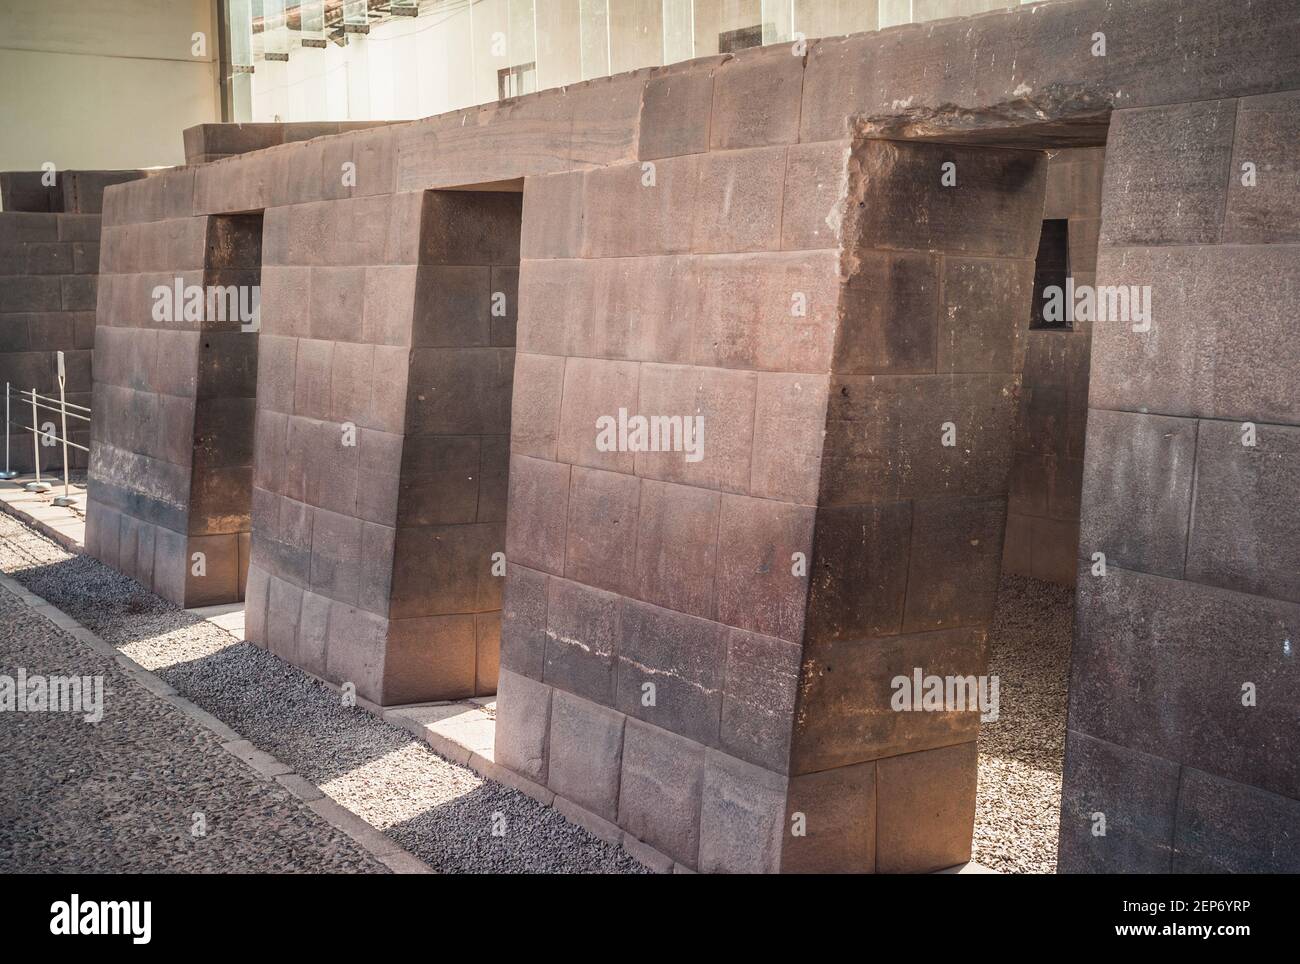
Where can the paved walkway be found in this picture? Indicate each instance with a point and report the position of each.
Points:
(122, 794)
(441, 812)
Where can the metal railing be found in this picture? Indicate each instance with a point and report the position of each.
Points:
(45, 435)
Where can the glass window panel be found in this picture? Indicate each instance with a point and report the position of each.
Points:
(594, 38)
(636, 36)
(833, 18)
(679, 30)
(725, 26)
(559, 42)
(894, 12)
(778, 21)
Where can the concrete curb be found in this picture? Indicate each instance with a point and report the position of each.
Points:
(44, 528)
(383, 848)
(489, 769)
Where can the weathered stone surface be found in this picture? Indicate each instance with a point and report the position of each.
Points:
(582, 630)
(925, 809)
(586, 751)
(847, 714)
(660, 790)
(838, 809)
(1246, 515)
(1221, 342)
(1161, 643)
(1144, 204)
(670, 670)
(1226, 827)
(742, 817)
(758, 698)
(1134, 793)
(1137, 486)
(1265, 212)
(523, 719)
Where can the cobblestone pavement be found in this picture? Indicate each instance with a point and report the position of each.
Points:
(1017, 813)
(443, 813)
(121, 794)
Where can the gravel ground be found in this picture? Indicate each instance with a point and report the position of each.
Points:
(1021, 755)
(441, 812)
(120, 794)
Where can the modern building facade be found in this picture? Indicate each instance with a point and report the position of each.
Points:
(831, 254)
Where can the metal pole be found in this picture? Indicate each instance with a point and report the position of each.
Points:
(38, 485)
(8, 473)
(66, 498)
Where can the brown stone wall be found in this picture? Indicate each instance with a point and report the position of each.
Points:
(1047, 467)
(675, 294)
(49, 263)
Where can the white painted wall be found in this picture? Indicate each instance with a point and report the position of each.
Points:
(103, 84)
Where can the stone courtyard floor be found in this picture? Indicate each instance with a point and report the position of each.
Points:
(1021, 755)
(120, 794)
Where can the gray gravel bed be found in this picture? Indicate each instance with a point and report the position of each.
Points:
(120, 795)
(1017, 814)
(442, 812)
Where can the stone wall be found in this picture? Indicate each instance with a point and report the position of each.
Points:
(735, 238)
(49, 262)
(1047, 467)
(1183, 705)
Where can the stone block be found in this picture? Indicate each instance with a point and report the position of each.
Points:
(816, 189)
(839, 818)
(600, 548)
(1137, 490)
(535, 408)
(523, 719)
(758, 698)
(388, 314)
(1265, 212)
(462, 558)
(683, 659)
(1245, 517)
(581, 628)
(1149, 670)
(487, 652)
(1195, 359)
(553, 216)
(925, 809)
(676, 547)
(627, 213)
(789, 425)
(459, 391)
(336, 556)
(660, 790)
(595, 389)
(675, 111)
(1226, 827)
(891, 314)
(983, 321)
(1134, 793)
(954, 564)
(439, 480)
(219, 581)
(523, 621)
(722, 402)
(757, 587)
(859, 572)
(766, 311)
(1141, 202)
(885, 437)
(907, 208)
(742, 817)
(739, 201)
(585, 753)
(356, 651)
(847, 712)
(453, 306)
(470, 227)
(756, 98)
(539, 505)
(430, 658)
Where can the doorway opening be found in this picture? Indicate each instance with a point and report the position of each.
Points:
(1021, 755)
(225, 397)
